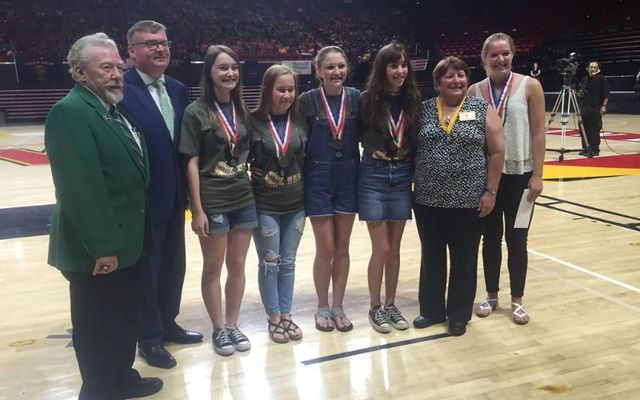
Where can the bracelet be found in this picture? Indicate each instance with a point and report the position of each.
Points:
(492, 192)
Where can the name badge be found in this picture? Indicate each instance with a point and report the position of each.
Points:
(467, 116)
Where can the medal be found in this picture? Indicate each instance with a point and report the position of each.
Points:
(337, 127)
(447, 125)
(282, 145)
(231, 132)
(500, 102)
(396, 129)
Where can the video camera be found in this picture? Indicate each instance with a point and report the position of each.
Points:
(568, 67)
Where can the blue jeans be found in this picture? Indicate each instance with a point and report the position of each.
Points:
(277, 238)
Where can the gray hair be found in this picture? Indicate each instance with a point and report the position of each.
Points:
(144, 26)
(79, 55)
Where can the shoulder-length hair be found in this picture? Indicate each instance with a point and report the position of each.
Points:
(207, 82)
(268, 82)
(377, 83)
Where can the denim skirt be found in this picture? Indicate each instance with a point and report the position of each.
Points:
(384, 190)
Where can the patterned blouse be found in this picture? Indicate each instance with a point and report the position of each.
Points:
(451, 169)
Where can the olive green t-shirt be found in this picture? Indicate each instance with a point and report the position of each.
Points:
(224, 182)
(278, 189)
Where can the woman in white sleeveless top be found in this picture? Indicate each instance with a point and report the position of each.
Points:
(519, 101)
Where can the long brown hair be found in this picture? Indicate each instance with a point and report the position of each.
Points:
(377, 83)
(207, 82)
(266, 95)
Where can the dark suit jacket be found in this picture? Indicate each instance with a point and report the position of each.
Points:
(167, 188)
(100, 187)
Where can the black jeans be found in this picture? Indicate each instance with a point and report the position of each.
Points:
(103, 315)
(592, 121)
(501, 221)
(457, 229)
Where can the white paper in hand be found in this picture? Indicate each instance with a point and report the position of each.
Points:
(524, 211)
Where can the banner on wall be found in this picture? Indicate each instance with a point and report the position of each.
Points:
(38, 72)
(299, 67)
(419, 64)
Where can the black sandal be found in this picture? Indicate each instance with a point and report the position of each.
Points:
(278, 329)
(291, 327)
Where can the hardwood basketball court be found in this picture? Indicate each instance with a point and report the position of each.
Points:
(583, 295)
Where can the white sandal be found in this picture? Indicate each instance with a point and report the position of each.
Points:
(520, 315)
(485, 308)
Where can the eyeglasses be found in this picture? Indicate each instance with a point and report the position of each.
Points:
(154, 44)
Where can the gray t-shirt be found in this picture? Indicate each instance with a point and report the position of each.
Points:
(224, 182)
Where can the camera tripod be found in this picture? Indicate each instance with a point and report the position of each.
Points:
(567, 104)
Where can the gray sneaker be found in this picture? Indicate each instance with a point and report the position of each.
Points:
(239, 340)
(395, 317)
(378, 319)
(222, 343)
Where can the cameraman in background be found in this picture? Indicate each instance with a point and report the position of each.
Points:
(594, 94)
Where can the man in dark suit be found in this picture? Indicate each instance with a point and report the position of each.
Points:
(99, 165)
(156, 102)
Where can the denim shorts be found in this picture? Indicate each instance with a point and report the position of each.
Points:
(384, 190)
(331, 187)
(241, 218)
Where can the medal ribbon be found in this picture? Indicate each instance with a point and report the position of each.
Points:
(231, 132)
(396, 129)
(500, 103)
(448, 127)
(281, 145)
(336, 128)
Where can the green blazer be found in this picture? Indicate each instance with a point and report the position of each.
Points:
(101, 191)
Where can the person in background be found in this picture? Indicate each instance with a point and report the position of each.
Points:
(278, 139)
(535, 71)
(459, 156)
(593, 106)
(99, 227)
(519, 101)
(331, 181)
(388, 110)
(215, 139)
(156, 102)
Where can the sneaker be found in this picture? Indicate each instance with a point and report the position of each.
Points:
(378, 319)
(239, 340)
(395, 317)
(221, 342)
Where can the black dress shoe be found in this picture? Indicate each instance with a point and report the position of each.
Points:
(422, 322)
(457, 328)
(176, 334)
(157, 356)
(142, 388)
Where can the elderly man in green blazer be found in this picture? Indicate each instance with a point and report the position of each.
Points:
(100, 171)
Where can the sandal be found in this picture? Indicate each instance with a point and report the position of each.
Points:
(520, 315)
(291, 328)
(278, 329)
(338, 313)
(485, 308)
(326, 314)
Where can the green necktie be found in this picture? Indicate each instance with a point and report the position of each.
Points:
(165, 105)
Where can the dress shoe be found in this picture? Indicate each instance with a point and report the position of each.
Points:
(457, 328)
(422, 322)
(176, 334)
(142, 388)
(156, 356)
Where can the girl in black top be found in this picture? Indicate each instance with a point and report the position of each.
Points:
(387, 112)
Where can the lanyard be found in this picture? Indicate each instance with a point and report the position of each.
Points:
(500, 103)
(281, 145)
(448, 126)
(230, 132)
(336, 128)
(396, 129)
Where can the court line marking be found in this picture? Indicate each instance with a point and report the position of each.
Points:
(586, 271)
(346, 354)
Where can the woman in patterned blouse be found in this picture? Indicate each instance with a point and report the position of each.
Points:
(459, 158)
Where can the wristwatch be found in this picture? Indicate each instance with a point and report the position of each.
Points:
(492, 192)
